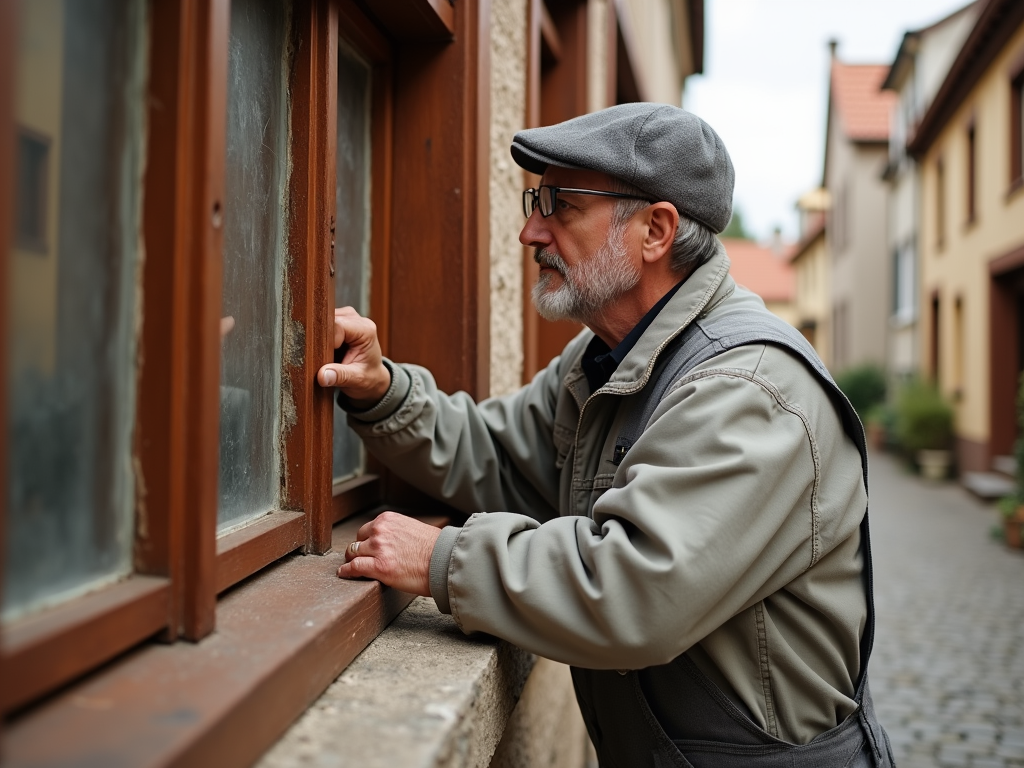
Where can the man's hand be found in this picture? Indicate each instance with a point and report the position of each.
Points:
(394, 549)
(361, 375)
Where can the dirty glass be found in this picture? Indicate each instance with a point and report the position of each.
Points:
(79, 107)
(250, 392)
(352, 229)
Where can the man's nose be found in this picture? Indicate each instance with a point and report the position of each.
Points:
(535, 233)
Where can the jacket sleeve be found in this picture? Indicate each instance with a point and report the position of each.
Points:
(713, 509)
(498, 455)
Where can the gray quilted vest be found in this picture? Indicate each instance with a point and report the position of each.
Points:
(708, 729)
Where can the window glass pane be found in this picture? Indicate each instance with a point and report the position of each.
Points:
(253, 262)
(73, 265)
(352, 231)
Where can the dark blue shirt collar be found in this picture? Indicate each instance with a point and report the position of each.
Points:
(599, 362)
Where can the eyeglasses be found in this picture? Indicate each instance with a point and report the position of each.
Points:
(546, 197)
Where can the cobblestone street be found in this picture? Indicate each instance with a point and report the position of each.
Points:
(947, 672)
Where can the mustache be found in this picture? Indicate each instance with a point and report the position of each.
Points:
(549, 260)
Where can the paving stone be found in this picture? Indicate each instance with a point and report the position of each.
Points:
(988, 762)
(947, 672)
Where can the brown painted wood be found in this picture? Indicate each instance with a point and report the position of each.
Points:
(629, 82)
(356, 496)
(282, 637)
(551, 41)
(207, 41)
(1006, 294)
(562, 95)
(439, 241)
(536, 11)
(696, 11)
(8, 28)
(243, 552)
(159, 434)
(307, 439)
(177, 448)
(415, 20)
(1016, 129)
(46, 650)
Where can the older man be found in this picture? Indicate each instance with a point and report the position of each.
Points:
(675, 506)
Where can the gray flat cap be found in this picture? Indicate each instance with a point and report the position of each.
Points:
(669, 153)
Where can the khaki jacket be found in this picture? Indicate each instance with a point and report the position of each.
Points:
(729, 530)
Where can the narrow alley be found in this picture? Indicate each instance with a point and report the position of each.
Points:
(947, 673)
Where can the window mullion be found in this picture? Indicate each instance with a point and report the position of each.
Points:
(310, 280)
(7, 48)
(177, 434)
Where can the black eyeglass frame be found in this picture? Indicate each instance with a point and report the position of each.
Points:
(533, 197)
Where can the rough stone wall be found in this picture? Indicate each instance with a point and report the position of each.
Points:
(508, 115)
(546, 729)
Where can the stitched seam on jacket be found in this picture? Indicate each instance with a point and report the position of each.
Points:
(765, 670)
(787, 406)
(451, 572)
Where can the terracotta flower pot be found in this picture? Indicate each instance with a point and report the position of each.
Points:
(1013, 528)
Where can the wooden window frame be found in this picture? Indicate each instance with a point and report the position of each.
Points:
(36, 242)
(971, 187)
(940, 203)
(8, 20)
(173, 550)
(429, 100)
(1016, 180)
(556, 90)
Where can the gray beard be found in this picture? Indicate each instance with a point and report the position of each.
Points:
(589, 286)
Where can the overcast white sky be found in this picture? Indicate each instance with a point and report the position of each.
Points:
(765, 87)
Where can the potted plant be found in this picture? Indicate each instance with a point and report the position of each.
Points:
(880, 426)
(925, 427)
(1012, 506)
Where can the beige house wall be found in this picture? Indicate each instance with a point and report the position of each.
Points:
(861, 271)
(813, 295)
(654, 25)
(959, 268)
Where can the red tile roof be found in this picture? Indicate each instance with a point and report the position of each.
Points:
(760, 269)
(862, 106)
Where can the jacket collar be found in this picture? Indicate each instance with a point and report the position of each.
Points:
(709, 284)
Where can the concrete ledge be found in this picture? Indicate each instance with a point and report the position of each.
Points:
(422, 695)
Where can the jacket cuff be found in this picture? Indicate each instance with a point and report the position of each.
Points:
(439, 560)
(401, 383)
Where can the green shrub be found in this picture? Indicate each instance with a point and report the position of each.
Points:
(924, 420)
(864, 386)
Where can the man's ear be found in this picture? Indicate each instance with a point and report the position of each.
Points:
(662, 222)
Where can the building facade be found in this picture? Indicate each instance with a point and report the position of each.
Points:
(969, 147)
(921, 64)
(190, 189)
(812, 265)
(855, 155)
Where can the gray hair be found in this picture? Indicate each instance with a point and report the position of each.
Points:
(694, 243)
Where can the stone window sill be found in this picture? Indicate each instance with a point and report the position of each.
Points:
(282, 637)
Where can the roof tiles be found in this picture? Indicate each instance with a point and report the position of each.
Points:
(762, 271)
(862, 106)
